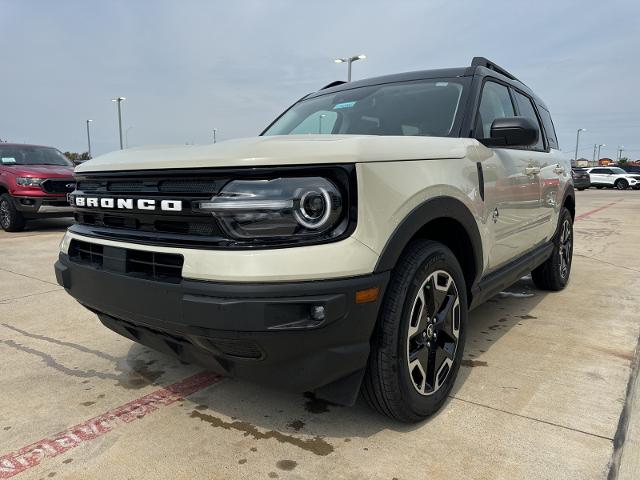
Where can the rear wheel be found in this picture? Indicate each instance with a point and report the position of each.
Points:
(621, 184)
(554, 273)
(419, 340)
(599, 187)
(11, 220)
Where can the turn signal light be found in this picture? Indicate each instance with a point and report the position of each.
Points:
(368, 295)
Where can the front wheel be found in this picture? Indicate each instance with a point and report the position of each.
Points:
(554, 273)
(621, 184)
(419, 339)
(11, 220)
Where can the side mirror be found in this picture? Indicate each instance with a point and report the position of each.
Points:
(512, 132)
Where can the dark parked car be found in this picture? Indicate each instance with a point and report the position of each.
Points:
(581, 178)
(630, 168)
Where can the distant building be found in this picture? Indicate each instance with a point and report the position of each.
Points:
(605, 161)
(581, 162)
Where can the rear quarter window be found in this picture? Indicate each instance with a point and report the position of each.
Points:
(549, 129)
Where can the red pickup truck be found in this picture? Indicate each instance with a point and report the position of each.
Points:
(34, 182)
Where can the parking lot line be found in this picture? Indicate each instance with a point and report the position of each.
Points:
(596, 210)
(32, 455)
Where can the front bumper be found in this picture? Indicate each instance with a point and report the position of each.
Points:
(49, 206)
(261, 332)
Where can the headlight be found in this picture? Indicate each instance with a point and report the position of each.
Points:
(302, 207)
(29, 181)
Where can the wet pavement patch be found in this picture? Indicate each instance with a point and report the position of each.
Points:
(297, 425)
(287, 465)
(317, 405)
(474, 363)
(316, 445)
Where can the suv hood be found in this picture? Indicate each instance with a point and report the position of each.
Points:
(40, 171)
(282, 150)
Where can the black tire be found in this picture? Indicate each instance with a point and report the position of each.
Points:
(621, 184)
(390, 386)
(11, 220)
(555, 272)
(581, 189)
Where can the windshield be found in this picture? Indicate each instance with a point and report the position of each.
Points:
(30, 155)
(618, 171)
(417, 108)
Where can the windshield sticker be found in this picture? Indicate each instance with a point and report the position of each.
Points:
(8, 160)
(344, 105)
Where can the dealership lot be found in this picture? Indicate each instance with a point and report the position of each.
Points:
(540, 395)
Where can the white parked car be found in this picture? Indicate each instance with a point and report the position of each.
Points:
(613, 177)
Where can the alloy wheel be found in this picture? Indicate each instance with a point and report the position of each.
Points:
(5, 218)
(565, 248)
(433, 333)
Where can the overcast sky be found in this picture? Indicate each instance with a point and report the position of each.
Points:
(189, 66)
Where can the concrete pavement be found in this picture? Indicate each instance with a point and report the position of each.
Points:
(544, 391)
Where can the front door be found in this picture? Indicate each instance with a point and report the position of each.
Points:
(512, 183)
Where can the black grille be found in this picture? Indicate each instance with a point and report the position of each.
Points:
(188, 227)
(58, 185)
(237, 348)
(162, 267)
(189, 186)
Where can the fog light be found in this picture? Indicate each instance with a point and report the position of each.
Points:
(27, 201)
(317, 312)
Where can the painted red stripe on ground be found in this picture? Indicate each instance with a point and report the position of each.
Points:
(591, 212)
(27, 457)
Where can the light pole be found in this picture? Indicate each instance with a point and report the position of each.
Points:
(620, 150)
(214, 134)
(119, 100)
(89, 138)
(322, 115)
(349, 61)
(126, 136)
(599, 147)
(578, 141)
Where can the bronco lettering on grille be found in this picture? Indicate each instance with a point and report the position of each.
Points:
(127, 203)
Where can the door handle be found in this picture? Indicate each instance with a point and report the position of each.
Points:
(532, 170)
(559, 170)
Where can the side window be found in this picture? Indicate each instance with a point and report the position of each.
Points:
(525, 107)
(549, 130)
(318, 123)
(495, 103)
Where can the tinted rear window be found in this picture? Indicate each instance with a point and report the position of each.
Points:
(549, 129)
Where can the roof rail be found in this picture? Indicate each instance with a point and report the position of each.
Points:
(484, 62)
(333, 84)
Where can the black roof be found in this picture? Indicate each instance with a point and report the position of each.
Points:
(480, 66)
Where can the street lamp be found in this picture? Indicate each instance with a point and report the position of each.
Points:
(89, 137)
(119, 100)
(620, 150)
(126, 136)
(599, 147)
(349, 61)
(214, 134)
(578, 141)
(322, 115)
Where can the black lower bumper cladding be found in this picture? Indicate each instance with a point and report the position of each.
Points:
(299, 336)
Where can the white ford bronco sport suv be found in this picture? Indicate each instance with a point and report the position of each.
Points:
(339, 251)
